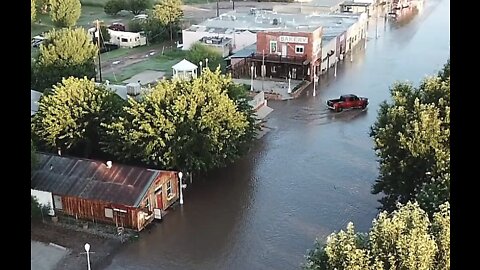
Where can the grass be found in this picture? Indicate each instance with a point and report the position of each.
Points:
(88, 16)
(93, 3)
(159, 62)
(125, 51)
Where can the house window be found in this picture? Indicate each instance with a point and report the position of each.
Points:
(57, 201)
(274, 69)
(124, 40)
(109, 212)
(169, 189)
(299, 49)
(273, 46)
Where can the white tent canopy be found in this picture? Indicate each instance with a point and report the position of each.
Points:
(184, 70)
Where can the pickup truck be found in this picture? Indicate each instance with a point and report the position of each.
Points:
(347, 102)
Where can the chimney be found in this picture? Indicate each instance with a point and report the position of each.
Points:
(51, 167)
(109, 164)
(59, 151)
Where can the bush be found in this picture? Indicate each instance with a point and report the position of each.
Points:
(112, 7)
(136, 26)
(37, 209)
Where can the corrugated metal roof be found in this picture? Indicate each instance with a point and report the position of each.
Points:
(91, 179)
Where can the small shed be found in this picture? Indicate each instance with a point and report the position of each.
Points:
(185, 70)
(97, 191)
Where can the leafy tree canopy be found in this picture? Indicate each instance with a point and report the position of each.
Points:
(65, 13)
(70, 116)
(412, 140)
(188, 125)
(404, 239)
(65, 52)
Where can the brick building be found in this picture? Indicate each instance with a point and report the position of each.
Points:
(283, 52)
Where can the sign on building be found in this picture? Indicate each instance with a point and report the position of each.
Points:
(292, 39)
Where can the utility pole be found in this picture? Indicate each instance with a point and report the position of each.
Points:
(98, 44)
(263, 68)
(314, 80)
(233, 4)
(217, 10)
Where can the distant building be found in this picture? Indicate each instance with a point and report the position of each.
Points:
(223, 45)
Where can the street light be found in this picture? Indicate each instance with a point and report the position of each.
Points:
(180, 174)
(206, 62)
(335, 73)
(87, 249)
(251, 80)
(201, 63)
(314, 80)
(289, 86)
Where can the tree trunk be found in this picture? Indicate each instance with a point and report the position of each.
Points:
(171, 33)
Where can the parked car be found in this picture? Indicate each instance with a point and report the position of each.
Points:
(347, 102)
(140, 17)
(37, 41)
(117, 27)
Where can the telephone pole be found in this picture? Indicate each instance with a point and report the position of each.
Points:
(98, 44)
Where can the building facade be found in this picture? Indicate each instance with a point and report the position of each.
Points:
(287, 53)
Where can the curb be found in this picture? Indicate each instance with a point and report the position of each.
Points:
(58, 246)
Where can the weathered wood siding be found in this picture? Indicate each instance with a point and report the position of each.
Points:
(94, 211)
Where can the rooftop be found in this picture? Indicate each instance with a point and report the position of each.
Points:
(261, 20)
(91, 179)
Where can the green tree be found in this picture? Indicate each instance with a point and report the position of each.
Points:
(137, 6)
(199, 52)
(404, 239)
(33, 11)
(70, 116)
(112, 7)
(65, 13)
(65, 52)
(187, 125)
(104, 35)
(169, 13)
(412, 140)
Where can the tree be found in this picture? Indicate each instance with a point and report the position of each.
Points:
(104, 35)
(33, 11)
(404, 239)
(169, 13)
(412, 140)
(65, 53)
(186, 125)
(70, 116)
(137, 6)
(65, 13)
(199, 52)
(112, 7)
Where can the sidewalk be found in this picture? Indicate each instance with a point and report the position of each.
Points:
(45, 256)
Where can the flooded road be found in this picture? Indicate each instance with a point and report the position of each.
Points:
(306, 178)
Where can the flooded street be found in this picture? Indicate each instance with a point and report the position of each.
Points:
(308, 177)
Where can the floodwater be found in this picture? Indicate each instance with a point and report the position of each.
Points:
(308, 177)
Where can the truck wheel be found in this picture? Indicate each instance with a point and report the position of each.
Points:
(364, 106)
(338, 109)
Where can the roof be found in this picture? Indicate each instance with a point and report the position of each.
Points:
(245, 52)
(34, 98)
(272, 21)
(92, 180)
(355, 4)
(185, 65)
